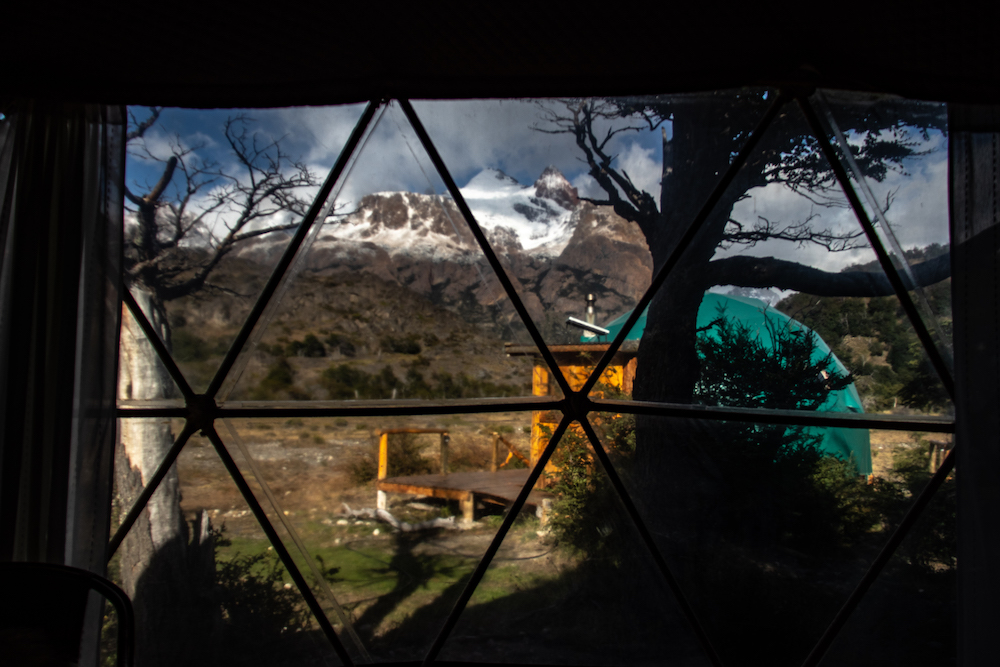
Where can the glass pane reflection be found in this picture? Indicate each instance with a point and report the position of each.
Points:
(197, 566)
(212, 199)
(393, 551)
(763, 530)
(578, 587)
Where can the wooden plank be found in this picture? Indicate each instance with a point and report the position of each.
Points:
(389, 486)
(411, 430)
(501, 487)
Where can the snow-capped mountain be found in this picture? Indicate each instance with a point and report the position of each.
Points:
(555, 247)
(536, 218)
(540, 216)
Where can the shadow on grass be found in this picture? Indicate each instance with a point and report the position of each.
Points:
(413, 572)
(586, 614)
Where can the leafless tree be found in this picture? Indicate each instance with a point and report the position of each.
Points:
(197, 213)
(180, 228)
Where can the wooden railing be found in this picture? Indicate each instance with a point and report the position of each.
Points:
(496, 465)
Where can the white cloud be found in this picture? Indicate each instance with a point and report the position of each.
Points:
(475, 134)
(318, 133)
(642, 169)
(784, 207)
(586, 186)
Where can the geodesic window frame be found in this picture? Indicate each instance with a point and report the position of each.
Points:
(201, 410)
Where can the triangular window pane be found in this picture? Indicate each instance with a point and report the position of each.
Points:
(719, 333)
(898, 165)
(197, 565)
(578, 588)
(762, 528)
(393, 299)
(395, 574)
(908, 615)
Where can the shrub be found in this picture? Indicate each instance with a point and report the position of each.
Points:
(778, 479)
(257, 611)
(279, 378)
(310, 346)
(405, 458)
(342, 382)
(402, 344)
(337, 342)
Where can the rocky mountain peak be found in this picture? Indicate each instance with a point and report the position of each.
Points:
(553, 185)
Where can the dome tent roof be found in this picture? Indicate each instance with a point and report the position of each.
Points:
(846, 443)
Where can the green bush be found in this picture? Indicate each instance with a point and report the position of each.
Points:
(338, 342)
(280, 377)
(933, 541)
(342, 382)
(258, 613)
(310, 346)
(777, 479)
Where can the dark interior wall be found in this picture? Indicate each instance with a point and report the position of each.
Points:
(294, 52)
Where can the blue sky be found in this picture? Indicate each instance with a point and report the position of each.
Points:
(471, 136)
(478, 134)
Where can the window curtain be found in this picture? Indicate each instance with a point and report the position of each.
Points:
(61, 176)
(975, 200)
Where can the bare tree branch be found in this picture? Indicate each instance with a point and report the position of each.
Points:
(139, 127)
(179, 243)
(579, 120)
(802, 233)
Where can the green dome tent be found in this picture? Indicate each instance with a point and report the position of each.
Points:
(846, 443)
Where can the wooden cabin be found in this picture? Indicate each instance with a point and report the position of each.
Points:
(576, 361)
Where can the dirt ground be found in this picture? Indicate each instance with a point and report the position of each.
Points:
(307, 463)
(397, 588)
(886, 444)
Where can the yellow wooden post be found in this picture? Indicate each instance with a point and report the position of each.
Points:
(539, 387)
(495, 464)
(540, 381)
(382, 501)
(383, 456)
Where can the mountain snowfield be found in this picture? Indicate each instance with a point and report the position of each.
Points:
(555, 248)
(539, 215)
(539, 219)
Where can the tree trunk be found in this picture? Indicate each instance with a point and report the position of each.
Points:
(668, 367)
(168, 579)
(683, 488)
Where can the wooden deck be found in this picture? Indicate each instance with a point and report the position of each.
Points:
(499, 487)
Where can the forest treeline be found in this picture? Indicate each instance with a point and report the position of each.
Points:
(874, 339)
